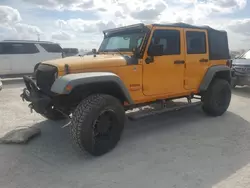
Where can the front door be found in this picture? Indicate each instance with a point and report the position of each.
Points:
(197, 58)
(164, 74)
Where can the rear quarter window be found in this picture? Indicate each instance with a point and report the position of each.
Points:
(218, 45)
(52, 48)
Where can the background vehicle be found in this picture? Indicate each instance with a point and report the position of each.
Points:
(70, 52)
(134, 66)
(241, 70)
(1, 85)
(19, 57)
(84, 53)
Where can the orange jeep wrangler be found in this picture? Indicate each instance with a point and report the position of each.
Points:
(135, 65)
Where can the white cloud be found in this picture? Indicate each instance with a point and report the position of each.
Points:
(63, 4)
(80, 25)
(9, 15)
(11, 26)
(85, 32)
(29, 29)
(61, 35)
(241, 27)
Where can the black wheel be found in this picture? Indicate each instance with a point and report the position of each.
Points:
(53, 114)
(217, 98)
(97, 124)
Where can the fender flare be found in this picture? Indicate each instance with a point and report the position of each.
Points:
(74, 80)
(211, 73)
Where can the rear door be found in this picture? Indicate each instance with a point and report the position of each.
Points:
(197, 57)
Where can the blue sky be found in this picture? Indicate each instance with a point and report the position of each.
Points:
(78, 23)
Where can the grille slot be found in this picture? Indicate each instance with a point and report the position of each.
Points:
(45, 77)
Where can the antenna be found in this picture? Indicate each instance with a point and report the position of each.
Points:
(38, 36)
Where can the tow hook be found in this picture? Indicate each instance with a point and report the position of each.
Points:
(31, 107)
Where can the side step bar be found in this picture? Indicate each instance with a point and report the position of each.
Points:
(133, 116)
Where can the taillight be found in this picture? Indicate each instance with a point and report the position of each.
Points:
(229, 63)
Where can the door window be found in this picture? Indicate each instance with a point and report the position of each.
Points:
(196, 42)
(18, 48)
(169, 39)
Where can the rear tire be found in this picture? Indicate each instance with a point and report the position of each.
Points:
(97, 124)
(217, 98)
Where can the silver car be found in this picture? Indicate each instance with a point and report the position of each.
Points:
(1, 85)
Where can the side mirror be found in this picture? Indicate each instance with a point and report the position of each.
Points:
(155, 50)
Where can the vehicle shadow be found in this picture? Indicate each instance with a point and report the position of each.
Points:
(242, 91)
(183, 149)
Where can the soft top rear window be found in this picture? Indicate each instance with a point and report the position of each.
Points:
(218, 45)
(53, 48)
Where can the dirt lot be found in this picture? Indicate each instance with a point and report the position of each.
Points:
(180, 149)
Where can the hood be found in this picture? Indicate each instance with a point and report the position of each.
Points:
(88, 62)
(241, 62)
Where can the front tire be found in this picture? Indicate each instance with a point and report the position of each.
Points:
(97, 124)
(217, 98)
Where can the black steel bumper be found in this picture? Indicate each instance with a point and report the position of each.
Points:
(38, 100)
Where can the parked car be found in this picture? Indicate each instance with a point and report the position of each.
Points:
(241, 70)
(20, 57)
(70, 52)
(1, 85)
(84, 53)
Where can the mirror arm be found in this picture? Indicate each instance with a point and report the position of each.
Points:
(149, 59)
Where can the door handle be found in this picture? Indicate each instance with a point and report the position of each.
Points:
(179, 62)
(203, 60)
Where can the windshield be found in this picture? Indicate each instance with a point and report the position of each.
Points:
(125, 42)
(246, 55)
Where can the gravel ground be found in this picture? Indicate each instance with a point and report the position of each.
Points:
(179, 150)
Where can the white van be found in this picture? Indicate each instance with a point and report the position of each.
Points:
(19, 57)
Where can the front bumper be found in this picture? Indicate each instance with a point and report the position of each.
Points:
(38, 100)
(240, 79)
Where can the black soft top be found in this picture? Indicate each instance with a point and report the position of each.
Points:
(184, 25)
(217, 39)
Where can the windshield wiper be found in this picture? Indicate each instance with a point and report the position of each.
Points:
(117, 49)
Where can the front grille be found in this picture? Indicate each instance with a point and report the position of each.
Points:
(45, 77)
(243, 69)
